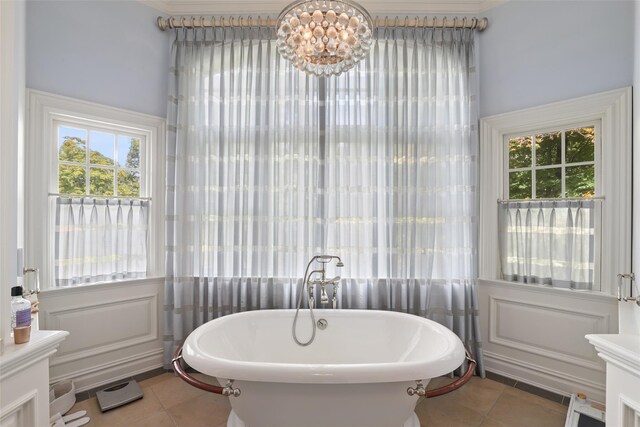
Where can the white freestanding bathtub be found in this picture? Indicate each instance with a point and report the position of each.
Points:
(355, 373)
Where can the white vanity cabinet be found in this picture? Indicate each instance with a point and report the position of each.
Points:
(622, 354)
(24, 380)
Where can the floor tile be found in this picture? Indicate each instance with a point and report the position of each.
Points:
(154, 373)
(170, 402)
(513, 410)
(203, 411)
(478, 395)
(159, 419)
(174, 391)
(490, 422)
(155, 380)
(123, 416)
(98, 419)
(435, 411)
(536, 400)
(437, 418)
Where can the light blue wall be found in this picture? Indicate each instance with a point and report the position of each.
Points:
(537, 52)
(109, 52)
(534, 52)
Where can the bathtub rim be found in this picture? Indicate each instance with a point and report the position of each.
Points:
(315, 373)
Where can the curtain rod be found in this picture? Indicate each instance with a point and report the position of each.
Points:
(87, 196)
(173, 22)
(552, 199)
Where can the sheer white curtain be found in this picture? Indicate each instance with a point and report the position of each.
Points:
(268, 166)
(401, 178)
(549, 242)
(100, 239)
(243, 164)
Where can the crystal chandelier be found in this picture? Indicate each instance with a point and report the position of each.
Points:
(324, 37)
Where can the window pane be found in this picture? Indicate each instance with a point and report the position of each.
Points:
(101, 182)
(128, 183)
(102, 146)
(128, 152)
(580, 146)
(520, 152)
(520, 185)
(549, 149)
(71, 179)
(72, 144)
(580, 181)
(549, 182)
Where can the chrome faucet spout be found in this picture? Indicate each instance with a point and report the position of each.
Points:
(324, 298)
(308, 284)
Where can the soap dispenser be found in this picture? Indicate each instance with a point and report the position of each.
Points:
(20, 316)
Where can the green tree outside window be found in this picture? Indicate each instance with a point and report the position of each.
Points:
(547, 162)
(72, 178)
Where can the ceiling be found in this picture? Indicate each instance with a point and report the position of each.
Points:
(273, 8)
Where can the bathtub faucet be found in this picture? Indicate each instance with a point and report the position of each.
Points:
(322, 281)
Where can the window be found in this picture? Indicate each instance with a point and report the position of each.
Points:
(90, 167)
(552, 164)
(548, 219)
(98, 162)
(101, 212)
(561, 174)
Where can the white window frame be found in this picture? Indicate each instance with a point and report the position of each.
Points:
(612, 110)
(44, 111)
(90, 125)
(597, 157)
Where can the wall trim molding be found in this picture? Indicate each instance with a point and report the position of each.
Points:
(517, 369)
(552, 353)
(401, 8)
(544, 352)
(152, 333)
(100, 286)
(113, 371)
(595, 296)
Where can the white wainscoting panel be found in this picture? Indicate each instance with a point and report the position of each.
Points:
(131, 322)
(569, 327)
(115, 330)
(535, 334)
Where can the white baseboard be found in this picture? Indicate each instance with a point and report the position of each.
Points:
(97, 376)
(544, 378)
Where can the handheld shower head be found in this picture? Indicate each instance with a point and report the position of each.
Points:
(327, 258)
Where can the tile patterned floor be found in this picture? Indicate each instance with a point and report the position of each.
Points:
(170, 402)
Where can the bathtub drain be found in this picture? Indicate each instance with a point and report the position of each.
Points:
(322, 324)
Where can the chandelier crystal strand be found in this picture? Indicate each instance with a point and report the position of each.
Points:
(324, 37)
